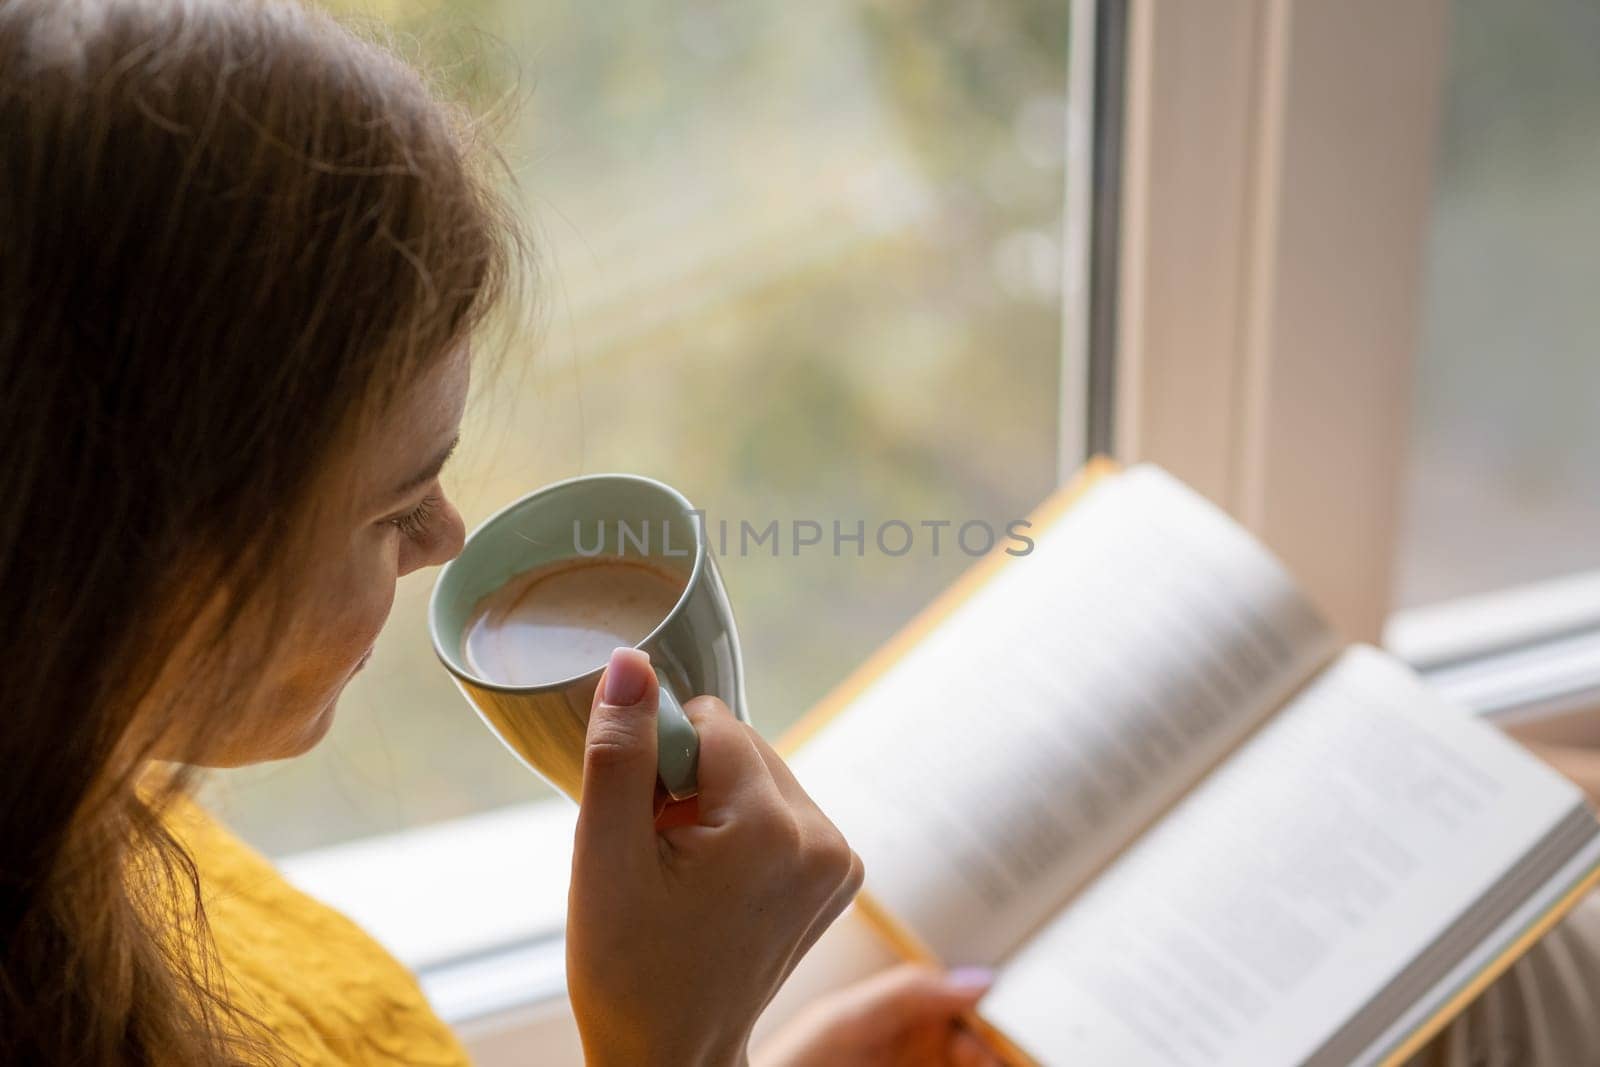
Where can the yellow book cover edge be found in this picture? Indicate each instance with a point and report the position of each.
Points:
(910, 947)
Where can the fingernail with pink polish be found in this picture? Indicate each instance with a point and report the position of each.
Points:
(627, 677)
(970, 978)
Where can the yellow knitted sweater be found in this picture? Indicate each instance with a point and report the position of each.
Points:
(329, 993)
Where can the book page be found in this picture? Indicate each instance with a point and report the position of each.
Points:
(1287, 889)
(992, 769)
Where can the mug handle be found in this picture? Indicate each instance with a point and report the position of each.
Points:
(677, 746)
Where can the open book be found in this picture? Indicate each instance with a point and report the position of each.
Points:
(1135, 773)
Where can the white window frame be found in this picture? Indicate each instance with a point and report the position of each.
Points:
(1242, 306)
(1278, 168)
(1527, 657)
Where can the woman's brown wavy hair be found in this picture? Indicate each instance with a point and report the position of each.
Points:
(230, 233)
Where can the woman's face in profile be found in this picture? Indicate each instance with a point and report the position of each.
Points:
(397, 519)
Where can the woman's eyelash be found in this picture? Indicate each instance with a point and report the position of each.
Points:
(414, 523)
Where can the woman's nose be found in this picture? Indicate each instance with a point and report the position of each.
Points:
(454, 535)
(449, 534)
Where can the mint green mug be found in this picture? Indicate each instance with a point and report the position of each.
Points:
(695, 649)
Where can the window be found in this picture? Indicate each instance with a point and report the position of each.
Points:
(802, 261)
(1503, 486)
(1497, 573)
(1398, 409)
(806, 262)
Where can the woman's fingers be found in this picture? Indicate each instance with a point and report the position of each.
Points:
(764, 790)
(688, 958)
(828, 914)
(821, 826)
(800, 802)
(732, 778)
(911, 993)
(787, 783)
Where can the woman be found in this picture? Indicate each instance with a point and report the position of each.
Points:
(243, 256)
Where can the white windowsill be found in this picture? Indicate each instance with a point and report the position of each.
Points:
(475, 906)
(1515, 655)
(1470, 627)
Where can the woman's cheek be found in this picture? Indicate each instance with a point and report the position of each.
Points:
(371, 592)
(357, 599)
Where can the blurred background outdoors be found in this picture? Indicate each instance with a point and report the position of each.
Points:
(1504, 483)
(800, 261)
(803, 261)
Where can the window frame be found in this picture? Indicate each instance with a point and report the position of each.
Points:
(1297, 337)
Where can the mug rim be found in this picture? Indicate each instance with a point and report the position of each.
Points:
(501, 687)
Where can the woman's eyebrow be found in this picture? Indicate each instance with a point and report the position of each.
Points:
(429, 472)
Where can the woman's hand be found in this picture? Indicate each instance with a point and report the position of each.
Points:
(677, 937)
(906, 1015)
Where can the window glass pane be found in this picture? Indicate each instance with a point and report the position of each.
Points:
(1504, 481)
(801, 261)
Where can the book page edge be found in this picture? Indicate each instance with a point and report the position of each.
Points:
(1469, 992)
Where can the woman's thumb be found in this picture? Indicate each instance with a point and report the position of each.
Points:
(619, 760)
